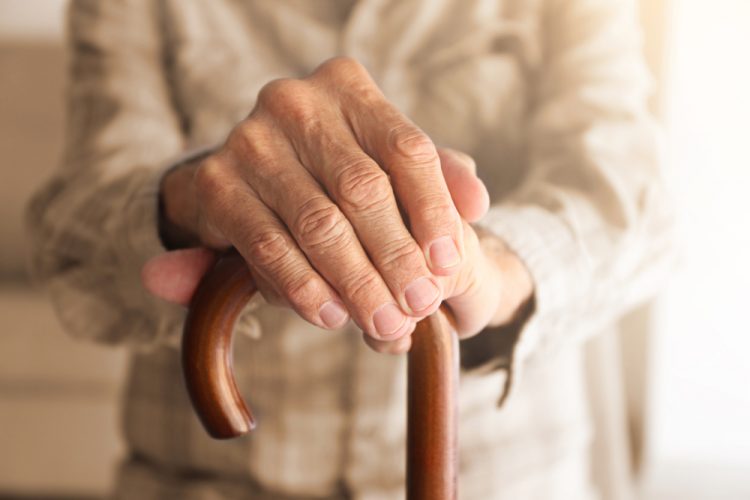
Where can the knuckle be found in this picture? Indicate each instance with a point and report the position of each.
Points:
(401, 254)
(320, 224)
(408, 141)
(278, 89)
(348, 78)
(362, 186)
(302, 291)
(268, 249)
(437, 207)
(285, 96)
(341, 66)
(361, 286)
(210, 178)
(249, 138)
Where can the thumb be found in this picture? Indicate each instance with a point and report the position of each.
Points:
(467, 190)
(174, 276)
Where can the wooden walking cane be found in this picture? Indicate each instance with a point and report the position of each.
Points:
(432, 379)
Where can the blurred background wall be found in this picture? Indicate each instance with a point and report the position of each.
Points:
(58, 417)
(700, 385)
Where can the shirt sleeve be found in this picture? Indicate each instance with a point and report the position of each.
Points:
(591, 220)
(94, 224)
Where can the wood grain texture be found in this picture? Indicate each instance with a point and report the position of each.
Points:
(432, 414)
(207, 348)
(432, 436)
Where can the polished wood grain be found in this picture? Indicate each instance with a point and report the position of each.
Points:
(207, 348)
(432, 416)
(432, 437)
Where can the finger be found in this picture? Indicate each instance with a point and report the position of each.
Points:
(328, 240)
(468, 192)
(399, 346)
(411, 160)
(473, 293)
(174, 276)
(269, 292)
(236, 212)
(363, 192)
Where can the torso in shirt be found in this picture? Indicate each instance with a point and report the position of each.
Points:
(330, 410)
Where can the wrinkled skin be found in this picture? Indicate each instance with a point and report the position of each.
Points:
(314, 189)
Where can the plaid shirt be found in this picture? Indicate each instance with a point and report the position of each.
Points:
(550, 98)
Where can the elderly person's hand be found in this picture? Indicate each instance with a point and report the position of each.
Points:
(313, 189)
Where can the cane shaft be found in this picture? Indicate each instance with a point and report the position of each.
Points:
(432, 436)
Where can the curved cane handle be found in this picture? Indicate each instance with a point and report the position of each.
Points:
(432, 379)
(207, 348)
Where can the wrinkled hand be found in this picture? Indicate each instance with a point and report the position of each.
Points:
(310, 189)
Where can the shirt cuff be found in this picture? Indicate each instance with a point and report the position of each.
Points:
(546, 245)
(142, 217)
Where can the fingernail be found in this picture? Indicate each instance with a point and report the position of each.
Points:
(421, 293)
(333, 314)
(443, 253)
(388, 319)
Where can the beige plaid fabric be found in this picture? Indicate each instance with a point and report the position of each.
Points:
(549, 97)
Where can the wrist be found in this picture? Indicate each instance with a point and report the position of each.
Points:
(512, 276)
